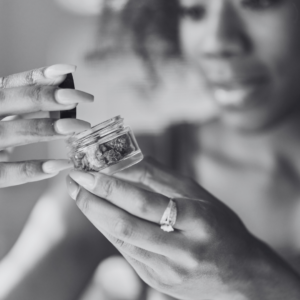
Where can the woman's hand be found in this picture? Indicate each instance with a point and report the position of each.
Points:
(33, 92)
(210, 255)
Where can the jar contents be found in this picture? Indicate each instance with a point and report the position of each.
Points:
(108, 147)
(99, 156)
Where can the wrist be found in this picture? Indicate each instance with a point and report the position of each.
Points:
(268, 276)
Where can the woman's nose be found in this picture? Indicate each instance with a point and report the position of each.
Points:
(225, 36)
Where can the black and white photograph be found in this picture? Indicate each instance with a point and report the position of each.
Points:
(149, 150)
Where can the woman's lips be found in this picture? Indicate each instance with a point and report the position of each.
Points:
(238, 93)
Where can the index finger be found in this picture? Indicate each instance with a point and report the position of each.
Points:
(124, 226)
(52, 75)
(144, 204)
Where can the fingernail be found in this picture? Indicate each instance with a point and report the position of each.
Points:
(68, 96)
(58, 70)
(55, 166)
(69, 126)
(87, 180)
(73, 187)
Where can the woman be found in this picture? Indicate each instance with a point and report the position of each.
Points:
(249, 53)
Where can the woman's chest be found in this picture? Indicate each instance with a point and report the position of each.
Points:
(268, 204)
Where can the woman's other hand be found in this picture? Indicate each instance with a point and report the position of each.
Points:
(33, 92)
(210, 255)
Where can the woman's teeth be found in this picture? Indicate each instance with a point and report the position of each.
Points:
(235, 97)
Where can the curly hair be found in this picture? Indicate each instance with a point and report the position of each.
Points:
(149, 27)
(154, 27)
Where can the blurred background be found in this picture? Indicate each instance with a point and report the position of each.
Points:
(36, 33)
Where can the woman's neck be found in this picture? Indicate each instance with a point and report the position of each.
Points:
(263, 149)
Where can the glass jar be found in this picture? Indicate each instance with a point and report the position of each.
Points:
(107, 148)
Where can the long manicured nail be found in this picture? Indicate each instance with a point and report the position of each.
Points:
(69, 126)
(87, 180)
(55, 166)
(58, 70)
(73, 187)
(69, 96)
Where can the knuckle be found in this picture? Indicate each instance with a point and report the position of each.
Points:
(31, 77)
(140, 253)
(29, 170)
(119, 243)
(122, 229)
(39, 127)
(174, 278)
(166, 281)
(141, 206)
(108, 185)
(191, 261)
(36, 95)
(172, 275)
(4, 82)
(195, 217)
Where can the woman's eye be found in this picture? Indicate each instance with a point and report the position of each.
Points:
(195, 13)
(259, 4)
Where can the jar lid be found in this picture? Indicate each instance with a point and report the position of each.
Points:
(97, 132)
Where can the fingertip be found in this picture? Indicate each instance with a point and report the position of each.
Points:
(57, 70)
(72, 187)
(56, 166)
(85, 179)
(70, 126)
(70, 96)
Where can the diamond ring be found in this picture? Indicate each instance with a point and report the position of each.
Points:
(169, 217)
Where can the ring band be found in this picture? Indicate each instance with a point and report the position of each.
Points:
(169, 217)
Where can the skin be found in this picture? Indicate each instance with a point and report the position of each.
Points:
(69, 247)
(231, 41)
(235, 38)
(32, 98)
(33, 92)
(242, 39)
(211, 255)
(208, 268)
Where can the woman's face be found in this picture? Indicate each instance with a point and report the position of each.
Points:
(249, 53)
